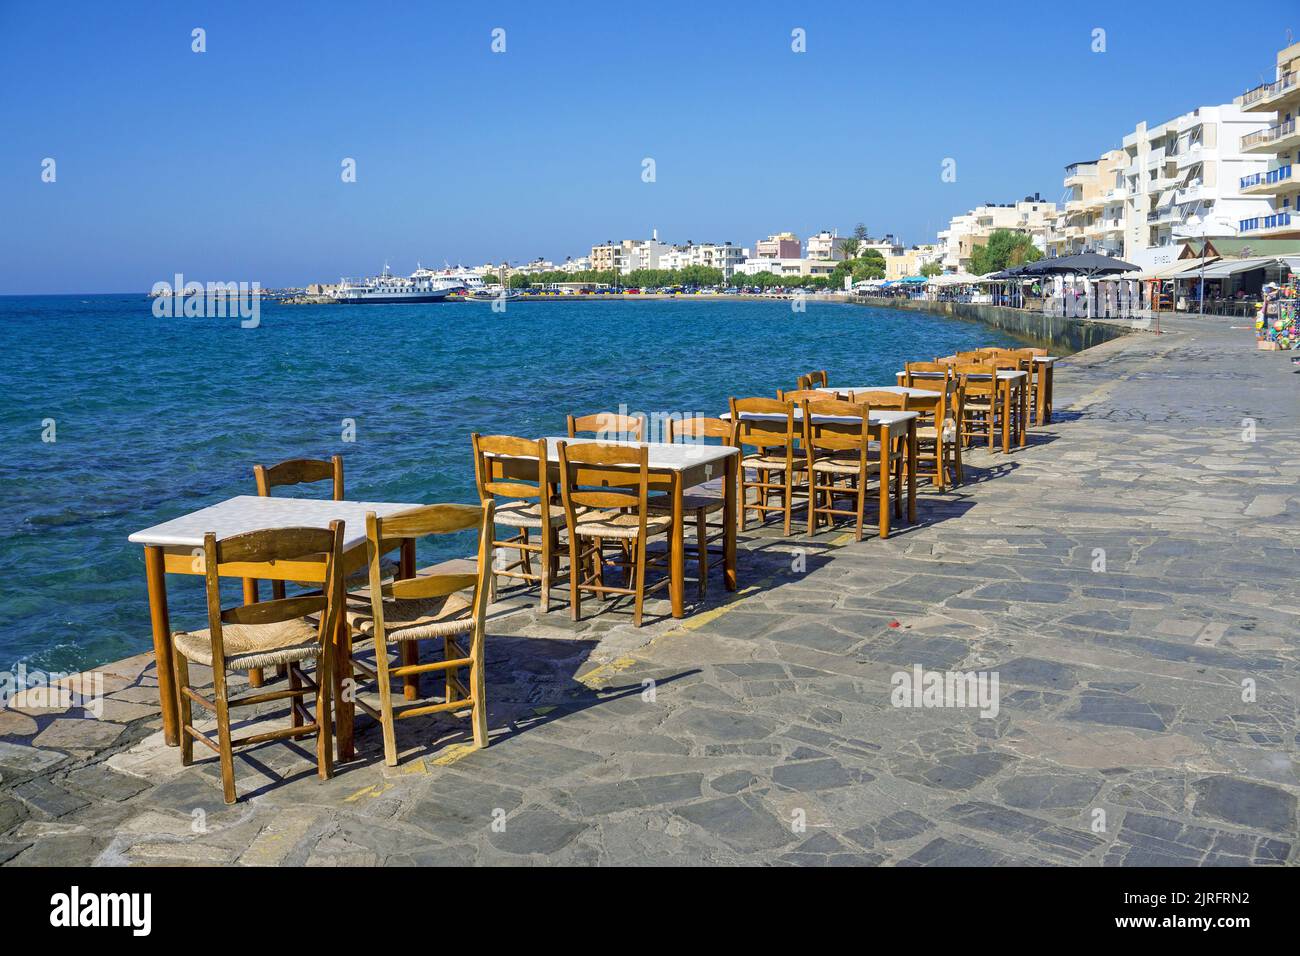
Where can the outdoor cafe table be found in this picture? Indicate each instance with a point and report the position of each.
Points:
(675, 467)
(1043, 366)
(1012, 385)
(889, 425)
(176, 547)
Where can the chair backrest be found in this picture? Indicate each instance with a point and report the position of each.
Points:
(528, 465)
(976, 386)
(610, 426)
(975, 355)
(813, 394)
(849, 431)
(802, 383)
(274, 544)
(698, 427)
(818, 379)
(879, 399)
(762, 433)
(300, 471)
(593, 475)
(925, 370)
(420, 522)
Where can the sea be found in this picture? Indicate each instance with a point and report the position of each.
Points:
(113, 420)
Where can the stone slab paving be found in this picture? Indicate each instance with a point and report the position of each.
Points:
(1131, 578)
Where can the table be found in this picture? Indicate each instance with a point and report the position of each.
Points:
(892, 389)
(889, 424)
(677, 466)
(1043, 368)
(1012, 384)
(176, 547)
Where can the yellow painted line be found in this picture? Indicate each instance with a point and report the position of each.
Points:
(371, 791)
(842, 540)
(452, 754)
(596, 675)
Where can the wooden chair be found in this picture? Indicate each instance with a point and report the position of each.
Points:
(264, 634)
(609, 426)
(981, 410)
(797, 396)
(529, 509)
(937, 436)
(701, 500)
(619, 509)
(300, 471)
(914, 374)
(818, 379)
(773, 440)
(838, 449)
(427, 605)
(891, 401)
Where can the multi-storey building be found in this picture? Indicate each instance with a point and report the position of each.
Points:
(827, 245)
(1182, 180)
(711, 255)
(1093, 217)
(1278, 144)
(786, 266)
(1031, 216)
(782, 245)
(909, 262)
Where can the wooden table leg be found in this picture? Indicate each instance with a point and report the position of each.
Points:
(156, 579)
(730, 493)
(1022, 410)
(1006, 418)
(886, 441)
(409, 651)
(677, 551)
(911, 469)
(250, 597)
(1045, 393)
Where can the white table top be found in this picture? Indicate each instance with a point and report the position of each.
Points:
(255, 513)
(892, 389)
(1003, 376)
(664, 456)
(882, 416)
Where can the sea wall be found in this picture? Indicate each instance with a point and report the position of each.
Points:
(1053, 331)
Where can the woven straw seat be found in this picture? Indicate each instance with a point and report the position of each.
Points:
(413, 620)
(252, 645)
(773, 461)
(599, 523)
(527, 514)
(691, 501)
(844, 465)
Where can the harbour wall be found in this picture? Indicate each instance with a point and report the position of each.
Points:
(1060, 333)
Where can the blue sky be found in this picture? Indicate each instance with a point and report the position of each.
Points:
(225, 165)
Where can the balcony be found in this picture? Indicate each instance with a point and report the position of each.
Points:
(1266, 184)
(1261, 98)
(1275, 139)
(1279, 220)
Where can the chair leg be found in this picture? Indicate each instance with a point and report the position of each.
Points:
(548, 558)
(324, 724)
(862, 505)
(223, 740)
(385, 701)
(789, 498)
(478, 712)
(640, 581)
(295, 683)
(449, 652)
(575, 575)
(182, 669)
(525, 558)
(702, 545)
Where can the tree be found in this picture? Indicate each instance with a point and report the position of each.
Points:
(860, 232)
(1004, 248)
(931, 269)
(850, 248)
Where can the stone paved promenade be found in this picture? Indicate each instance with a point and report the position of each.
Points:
(1131, 577)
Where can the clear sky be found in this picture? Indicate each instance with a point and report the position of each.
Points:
(226, 165)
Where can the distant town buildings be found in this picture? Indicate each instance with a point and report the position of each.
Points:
(1033, 216)
(781, 245)
(1278, 145)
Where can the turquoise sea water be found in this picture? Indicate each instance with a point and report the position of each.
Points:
(157, 417)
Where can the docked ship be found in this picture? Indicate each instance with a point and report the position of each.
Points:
(388, 289)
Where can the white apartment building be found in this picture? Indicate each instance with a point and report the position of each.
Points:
(581, 264)
(1092, 219)
(827, 245)
(786, 266)
(711, 255)
(1032, 216)
(1278, 145)
(1182, 180)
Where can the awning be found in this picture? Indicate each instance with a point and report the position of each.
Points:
(1230, 267)
(1167, 197)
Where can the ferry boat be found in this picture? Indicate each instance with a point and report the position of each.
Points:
(386, 288)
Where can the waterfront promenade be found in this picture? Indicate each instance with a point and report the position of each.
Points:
(1130, 576)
